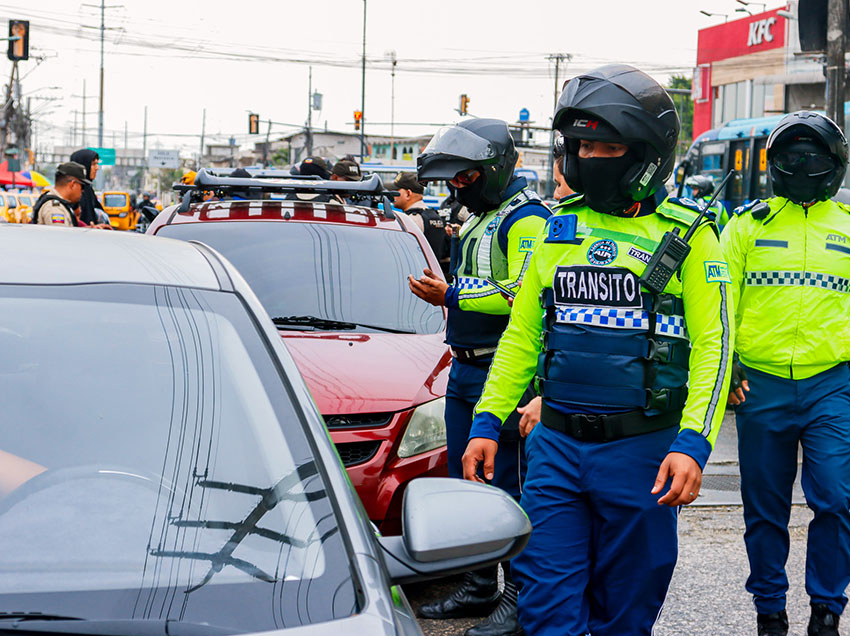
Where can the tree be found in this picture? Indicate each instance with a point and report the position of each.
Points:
(280, 157)
(685, 108)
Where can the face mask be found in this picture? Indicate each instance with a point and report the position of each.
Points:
(601, 177)
(472, 196)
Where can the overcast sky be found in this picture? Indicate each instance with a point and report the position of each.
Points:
(180, 57)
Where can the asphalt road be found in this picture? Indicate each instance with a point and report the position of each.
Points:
(707, 595)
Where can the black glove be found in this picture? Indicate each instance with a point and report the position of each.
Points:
(739, 376)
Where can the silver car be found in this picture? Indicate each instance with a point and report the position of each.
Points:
(213, 504)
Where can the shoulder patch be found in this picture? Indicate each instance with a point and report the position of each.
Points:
(686, 203)
(716, 272)
(758, 208)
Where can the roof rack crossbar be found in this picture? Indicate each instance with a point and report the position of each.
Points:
(204, 180)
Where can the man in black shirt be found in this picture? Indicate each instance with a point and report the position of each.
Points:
(409, 201)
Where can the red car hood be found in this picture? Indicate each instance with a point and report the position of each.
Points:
(370, 373)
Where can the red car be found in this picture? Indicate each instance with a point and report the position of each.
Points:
(333, 277)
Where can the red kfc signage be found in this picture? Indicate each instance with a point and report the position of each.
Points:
(760, 32)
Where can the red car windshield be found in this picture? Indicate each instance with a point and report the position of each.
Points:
(334, 273)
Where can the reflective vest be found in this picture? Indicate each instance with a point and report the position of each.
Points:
(607, 345)
(480, 256)
(791, 269)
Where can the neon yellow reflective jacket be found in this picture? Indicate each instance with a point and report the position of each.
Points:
(624, 244)
(791, 275)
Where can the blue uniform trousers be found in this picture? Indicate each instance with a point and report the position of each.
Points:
(602, 550)
(779, 415)
(466, 381)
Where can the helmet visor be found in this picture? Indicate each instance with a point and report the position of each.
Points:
(812, 164)
(460, 143)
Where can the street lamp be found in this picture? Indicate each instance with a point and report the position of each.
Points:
(709, 14)
(747, 3)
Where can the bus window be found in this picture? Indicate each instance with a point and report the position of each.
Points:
(736, 189)
(712, 159)
(761, 181)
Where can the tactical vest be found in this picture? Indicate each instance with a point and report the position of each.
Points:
(434, 229)
(480, 256)
(608, 345)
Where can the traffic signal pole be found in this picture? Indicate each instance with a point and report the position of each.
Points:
(836, 45)
(363, 90)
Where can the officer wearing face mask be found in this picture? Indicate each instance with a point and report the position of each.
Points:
(632, 379)
(789, 259)
(477, 159)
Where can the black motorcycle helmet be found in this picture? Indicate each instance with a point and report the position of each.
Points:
(701, 184)
(476, 143)
(806, 152)
(620, 104)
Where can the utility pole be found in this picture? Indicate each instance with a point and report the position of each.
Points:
(266, 146)
(835, 48)
(203, 131)
(394, 61)
(363, 90)
(309, 138)
(145, 137)
(557, 58)
(100, 108)
(84, 115)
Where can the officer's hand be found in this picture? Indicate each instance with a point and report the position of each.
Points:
(687, 479)
(429, 288)
(479, 449)
(738, 385)
(510, 299)
(530, 415)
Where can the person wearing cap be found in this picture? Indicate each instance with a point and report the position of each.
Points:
(431, 224)
(477, 158)
(633, 374)
(314, 166)
(345, 170)
(789, 259)
(56, 205)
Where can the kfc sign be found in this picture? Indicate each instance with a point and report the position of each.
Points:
(761, 31)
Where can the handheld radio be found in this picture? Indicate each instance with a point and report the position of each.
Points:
(673, 250)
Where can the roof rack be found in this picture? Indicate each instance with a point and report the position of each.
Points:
(268, 181)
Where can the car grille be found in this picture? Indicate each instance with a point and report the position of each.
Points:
(353, 453)
(358, 420)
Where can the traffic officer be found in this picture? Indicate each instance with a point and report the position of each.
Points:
(633, 382)
(702, 188)
(477, 158)
(789, 259)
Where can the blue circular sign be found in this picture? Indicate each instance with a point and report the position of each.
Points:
(524, 115)
(602, 252)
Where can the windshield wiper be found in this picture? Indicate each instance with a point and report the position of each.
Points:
(29, 622)
(328, 324)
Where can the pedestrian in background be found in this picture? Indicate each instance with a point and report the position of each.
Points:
(432, 225)
(789, 259)
(91, 211)
(346, 170)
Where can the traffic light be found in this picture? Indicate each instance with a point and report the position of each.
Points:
(464, 105)
(253, 124)
(19, 48)
(358, 117)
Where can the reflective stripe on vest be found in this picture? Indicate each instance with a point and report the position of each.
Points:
(488, 259)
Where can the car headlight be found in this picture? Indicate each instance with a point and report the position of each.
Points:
(122, 215)
(426, 429)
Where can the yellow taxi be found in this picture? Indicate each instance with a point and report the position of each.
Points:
(26, 200)
(8, 206)
(117, 205)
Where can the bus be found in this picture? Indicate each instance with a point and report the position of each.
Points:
(739, 145)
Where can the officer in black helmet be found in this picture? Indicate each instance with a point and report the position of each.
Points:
(702, 189)
(789, 260)
(632, 373)
(477, 159)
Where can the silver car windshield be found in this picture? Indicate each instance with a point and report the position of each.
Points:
(153, 466)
